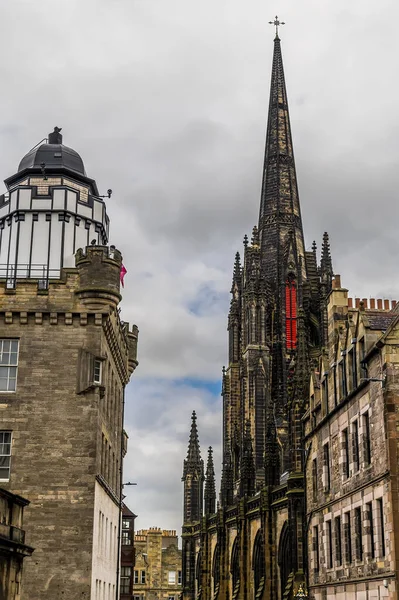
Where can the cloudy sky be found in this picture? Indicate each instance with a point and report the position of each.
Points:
(166, 101)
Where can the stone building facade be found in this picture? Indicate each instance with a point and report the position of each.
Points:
(13, 549)
(351, 440)
(158, 566)
(66, 358)
(310, 438)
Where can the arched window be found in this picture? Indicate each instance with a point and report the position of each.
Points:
(284, 556)
(216, 569)
(258, 564)
(198, 573)
(235, 569)
(290, 314)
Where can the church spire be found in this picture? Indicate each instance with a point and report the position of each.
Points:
(280, 212)
(326, 261)
(193, 476)
(210, 489)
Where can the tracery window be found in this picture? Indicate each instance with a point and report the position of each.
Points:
(259, 564)
(235, 570)
(216, 569)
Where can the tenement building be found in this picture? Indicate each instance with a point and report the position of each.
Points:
(66, 358)
(13, 549)
(158, 569)
(310, 434)
(351, 440)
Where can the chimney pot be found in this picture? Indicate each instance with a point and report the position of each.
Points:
(379, 303)
(372, 302)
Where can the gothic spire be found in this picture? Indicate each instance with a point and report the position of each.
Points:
(279, 207)
(236, 283)
(193, 477)
(326, 262)
(193, 461)
(210, 489)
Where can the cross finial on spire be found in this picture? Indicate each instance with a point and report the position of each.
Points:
(277, 24)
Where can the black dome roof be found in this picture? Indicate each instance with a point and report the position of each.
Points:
(54, 155)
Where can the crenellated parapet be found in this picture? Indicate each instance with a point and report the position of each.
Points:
(99, 275)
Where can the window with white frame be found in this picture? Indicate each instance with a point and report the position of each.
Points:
(171, 597)
(5, 455)
(142, 577)
(97, 371)
(172, 577)
(8, 365)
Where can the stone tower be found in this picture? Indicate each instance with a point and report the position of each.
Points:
(66, 359)
(276, 326)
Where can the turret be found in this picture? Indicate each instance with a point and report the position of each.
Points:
(50, 210)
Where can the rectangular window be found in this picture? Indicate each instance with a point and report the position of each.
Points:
(314, 479)
(348, 538)
(8, 365)
(338, 541)
(316, 549)
(351, 385)
(369, 517)
(334, 374)
(126, 537)
(142, 578)
(355, 446)
(5, 455)
(136, 577)
(345, 450)
(172, 577)
(171, 597)
(329, 546)
(324, 395)
(358, 534)
(381, 529)
(362, 354)
(326, 467)
(126, 576)
(125, 524)
(179, 577)
(342, 378)
(366, 438)
(97, 371)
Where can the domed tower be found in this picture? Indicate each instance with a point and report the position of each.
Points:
(66, 358)
(51, 209)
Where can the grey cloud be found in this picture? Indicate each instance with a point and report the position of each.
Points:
(167, 104)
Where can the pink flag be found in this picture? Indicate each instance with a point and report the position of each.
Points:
(122, 274)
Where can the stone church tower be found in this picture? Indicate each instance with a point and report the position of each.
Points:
(66, 358)
(253, 547)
